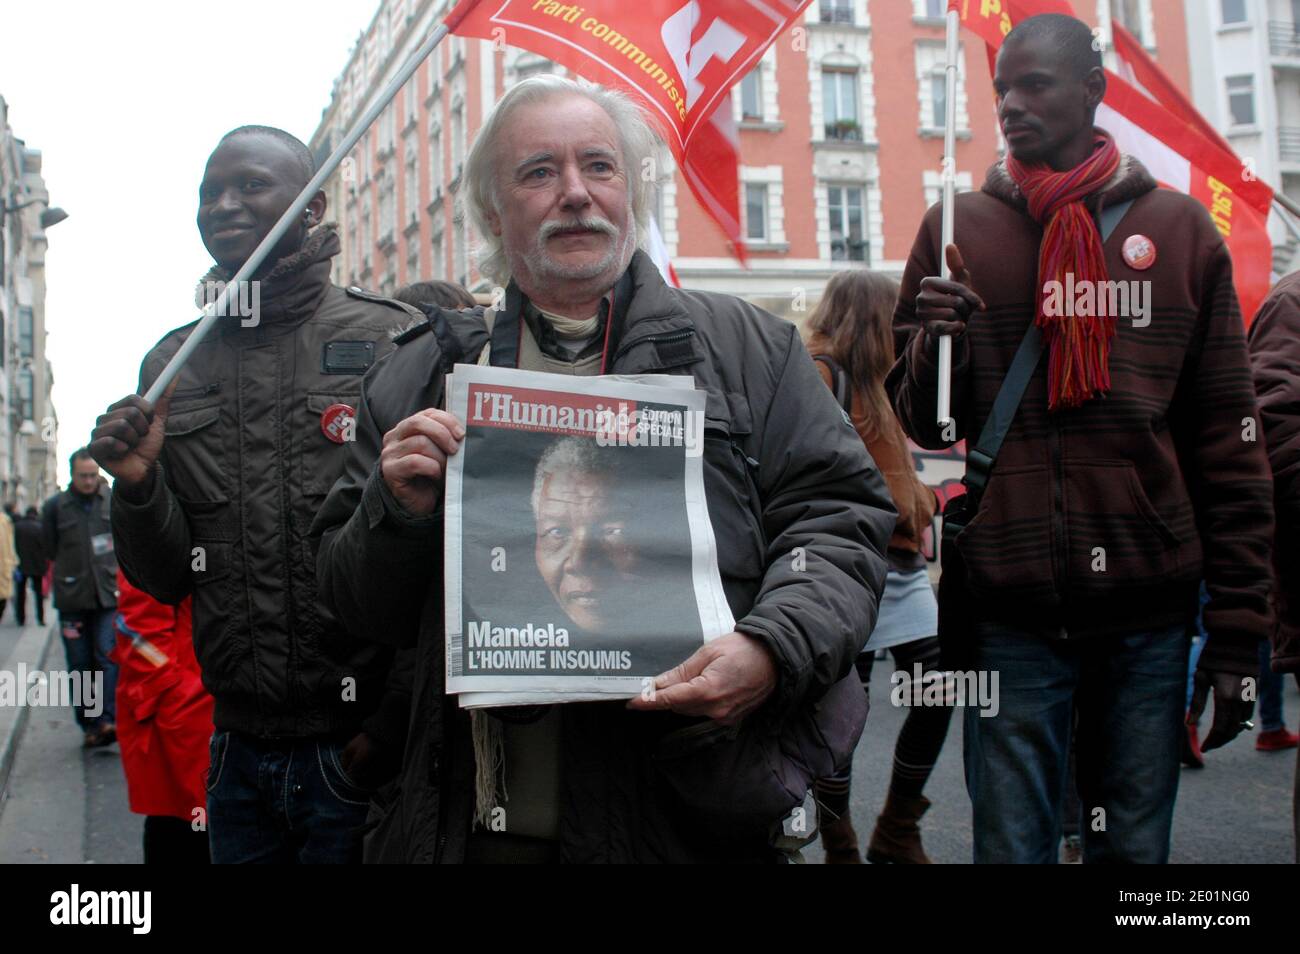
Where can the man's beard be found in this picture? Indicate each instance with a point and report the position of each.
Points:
(542, 266)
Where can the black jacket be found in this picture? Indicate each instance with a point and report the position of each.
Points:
(78, 535)
(783, 469)
(244, 467)
(29, 541)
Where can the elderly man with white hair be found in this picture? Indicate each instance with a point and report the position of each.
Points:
(702, 771)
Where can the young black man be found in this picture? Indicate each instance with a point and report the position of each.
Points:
(215, 489)
(1129, 474)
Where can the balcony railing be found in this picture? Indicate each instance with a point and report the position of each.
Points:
(845, 130)
(1284, 39)
(1288, 143)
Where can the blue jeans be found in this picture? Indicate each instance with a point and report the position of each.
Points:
(1129, 694)
(88, 652)
(1270, 691)
(282, 801)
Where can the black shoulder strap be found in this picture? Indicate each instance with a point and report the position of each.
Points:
(980, 458)
(839, 381)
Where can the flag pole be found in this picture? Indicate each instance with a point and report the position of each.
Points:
(949, 180)
(211, 314)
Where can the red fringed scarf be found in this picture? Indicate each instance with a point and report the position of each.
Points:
(1078, 346)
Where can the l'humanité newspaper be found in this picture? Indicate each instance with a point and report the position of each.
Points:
(580, 561)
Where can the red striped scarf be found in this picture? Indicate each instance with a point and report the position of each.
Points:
(1078, 346)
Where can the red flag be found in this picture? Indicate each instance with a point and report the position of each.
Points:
(1156, 124)
(679, 58)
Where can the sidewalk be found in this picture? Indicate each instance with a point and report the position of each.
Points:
(61, 803)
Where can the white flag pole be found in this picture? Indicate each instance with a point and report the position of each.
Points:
(944, 401)
(211, 314)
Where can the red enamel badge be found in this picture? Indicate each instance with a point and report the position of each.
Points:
(1139, 252)
(337, 422)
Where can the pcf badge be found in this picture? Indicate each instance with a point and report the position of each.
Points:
(336, 421)
(1139, 252)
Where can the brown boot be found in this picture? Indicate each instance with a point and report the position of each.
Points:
(841, 842)
(897, 838)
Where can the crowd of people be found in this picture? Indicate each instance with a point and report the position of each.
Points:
(1132, 489)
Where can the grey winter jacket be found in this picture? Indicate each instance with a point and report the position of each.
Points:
(783, 469)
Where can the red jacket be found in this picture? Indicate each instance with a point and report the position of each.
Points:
(164, 715)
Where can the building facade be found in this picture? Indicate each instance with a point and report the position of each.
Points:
(1249, 89)
(28, 423)
(841, 139)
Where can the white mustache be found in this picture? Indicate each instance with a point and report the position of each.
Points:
(593, 224)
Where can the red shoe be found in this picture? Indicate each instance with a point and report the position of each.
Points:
(1192, 756)
(1276, 740)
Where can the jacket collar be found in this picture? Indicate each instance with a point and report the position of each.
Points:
(1130, 180)
(291, 291)
(652, 330)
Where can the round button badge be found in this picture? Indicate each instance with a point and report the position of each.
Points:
(1139, 252)
(337, 422)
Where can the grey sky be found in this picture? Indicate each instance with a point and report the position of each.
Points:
(125, 102)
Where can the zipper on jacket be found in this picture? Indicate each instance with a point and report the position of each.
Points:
(199, 392)
(665, 337)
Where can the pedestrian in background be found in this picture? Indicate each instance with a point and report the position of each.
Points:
(8, 559)
(33, 562)
(78, 535)
(164, 725)
(852, 341)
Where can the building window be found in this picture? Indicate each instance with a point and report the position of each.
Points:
(939, 99)
(837, 11)
(527, 66)
(1234, 11)
(437, 258)
(1135, 16)
(751, 95)
(409, 96)
(933, 184)
(756, 212)
(388, 129)
(435, 163)
(848, 236)
(1241, 99)
(26, 331)
(387, 210)
(460, 246)
(412, 180)
(932, 88)
(935, 9)
(457, 140)
(26, 394)
(840, 104)
(412, 260)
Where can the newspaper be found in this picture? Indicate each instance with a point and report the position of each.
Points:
(580, 561)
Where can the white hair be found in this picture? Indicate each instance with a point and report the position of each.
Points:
(577, 454)
(638, 142)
